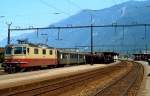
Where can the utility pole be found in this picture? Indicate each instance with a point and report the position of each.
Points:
(58, 35)
(91, 40)
(123, 37)
(46, 40)
(8, 40)
(145, 38)
(37, 32)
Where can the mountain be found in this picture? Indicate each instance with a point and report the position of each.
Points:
(115, 38)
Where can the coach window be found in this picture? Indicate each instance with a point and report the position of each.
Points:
(51, 52)
(61, 56)
(44, 51)
(36, 51)
(64, 55)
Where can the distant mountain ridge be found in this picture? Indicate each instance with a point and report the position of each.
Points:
(130, 12)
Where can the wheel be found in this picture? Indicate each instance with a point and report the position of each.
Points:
(11, 70)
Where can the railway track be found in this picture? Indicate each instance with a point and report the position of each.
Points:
(97, 82)
(127, 85)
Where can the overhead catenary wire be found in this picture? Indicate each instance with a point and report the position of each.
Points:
(127, 25)
(94, 26)
(74, 4)
(53, 7)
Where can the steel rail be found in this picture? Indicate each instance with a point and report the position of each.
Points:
(127, 84)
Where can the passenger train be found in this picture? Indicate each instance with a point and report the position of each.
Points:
(25, 56)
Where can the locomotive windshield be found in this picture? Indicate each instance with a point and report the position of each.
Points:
(8, 50)
(20, 50)
(15, 50)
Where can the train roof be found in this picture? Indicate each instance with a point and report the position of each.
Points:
(111, 53)
(72, 52)
(142, 54)
(24, 42)
(32, 45)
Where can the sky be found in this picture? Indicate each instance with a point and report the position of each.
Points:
(41, 13)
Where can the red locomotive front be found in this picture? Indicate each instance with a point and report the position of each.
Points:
(24, 56)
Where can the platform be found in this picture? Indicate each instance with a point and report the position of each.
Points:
(145, 87)
(7, 81)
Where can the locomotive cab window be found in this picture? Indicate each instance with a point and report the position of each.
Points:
(44, 51)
